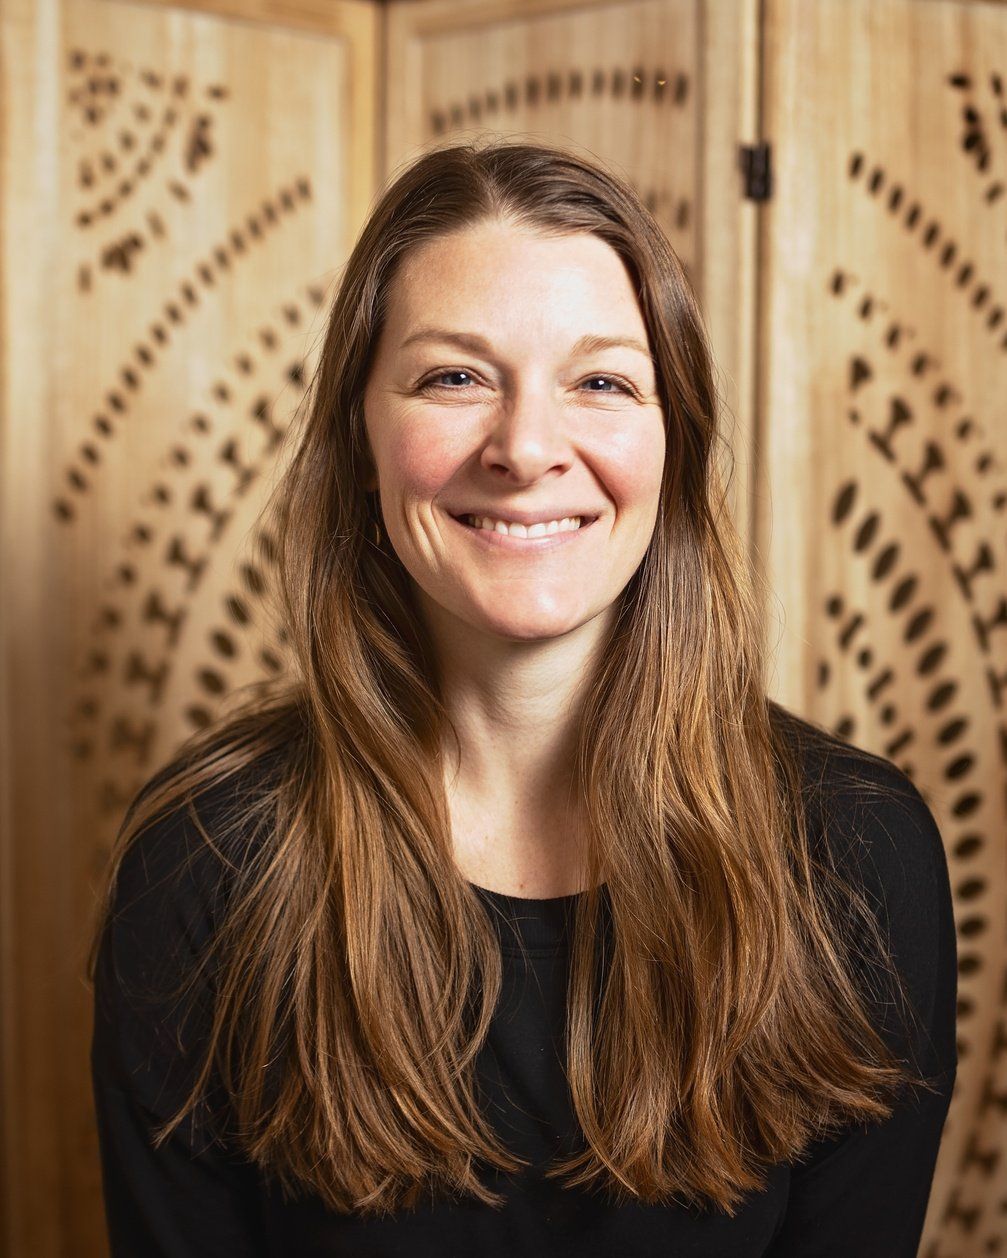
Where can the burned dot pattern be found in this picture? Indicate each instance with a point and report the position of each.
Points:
(922, 437)
(139, 630)
(652, 89)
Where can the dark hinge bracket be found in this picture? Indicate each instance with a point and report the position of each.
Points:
(756, 166)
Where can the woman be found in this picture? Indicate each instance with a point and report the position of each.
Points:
(519, 920)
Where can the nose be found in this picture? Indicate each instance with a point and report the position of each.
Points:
(528, 437)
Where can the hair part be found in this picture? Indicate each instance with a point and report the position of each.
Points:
(718, 1027)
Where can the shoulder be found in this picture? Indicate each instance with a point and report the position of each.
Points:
(866, 813)
(181, 858)
(864, 806)
(153, 977)
(870, 823)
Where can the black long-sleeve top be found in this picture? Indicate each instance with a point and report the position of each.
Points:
(862, 1192)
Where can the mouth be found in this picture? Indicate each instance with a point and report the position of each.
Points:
(542, 536)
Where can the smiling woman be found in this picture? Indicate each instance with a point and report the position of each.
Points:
(539, 317)
(519, 919)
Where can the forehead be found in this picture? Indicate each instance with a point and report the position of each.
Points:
(498, 275)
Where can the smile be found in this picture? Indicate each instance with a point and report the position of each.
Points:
(542, 536)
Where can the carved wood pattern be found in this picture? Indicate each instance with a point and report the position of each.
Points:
(198, 194)
(617, 79)
(884, 467)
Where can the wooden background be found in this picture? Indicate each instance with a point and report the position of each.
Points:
(179, 188)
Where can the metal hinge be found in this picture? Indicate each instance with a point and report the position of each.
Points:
(756, 166)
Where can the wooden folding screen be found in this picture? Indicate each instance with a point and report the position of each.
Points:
(882, 505)
(162, 296)
(179, 189)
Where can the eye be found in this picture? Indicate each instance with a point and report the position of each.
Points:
(433, 382)
(616, 380)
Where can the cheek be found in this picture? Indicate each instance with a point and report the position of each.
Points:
(420, 460)
(630, 464)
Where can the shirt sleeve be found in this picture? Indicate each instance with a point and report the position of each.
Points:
(866, 1190)
(192, 1195)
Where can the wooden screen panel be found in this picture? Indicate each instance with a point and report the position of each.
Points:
(180, 188)
(884, 498)
(661, 89)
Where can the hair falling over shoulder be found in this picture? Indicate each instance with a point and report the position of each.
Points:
(721, 1029)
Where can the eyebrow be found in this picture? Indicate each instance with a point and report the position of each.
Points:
(588, 344)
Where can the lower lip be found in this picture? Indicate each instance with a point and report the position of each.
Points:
(505, 541)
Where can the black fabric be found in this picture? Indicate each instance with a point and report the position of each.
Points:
(863, 1192)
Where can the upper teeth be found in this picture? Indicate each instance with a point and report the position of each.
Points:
(567, 525)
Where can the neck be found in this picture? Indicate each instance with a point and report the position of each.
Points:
(516, 707)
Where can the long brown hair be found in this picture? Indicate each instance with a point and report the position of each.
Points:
(722, 1029)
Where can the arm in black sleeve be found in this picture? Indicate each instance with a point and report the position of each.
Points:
(865, 1191)
(192, 1195)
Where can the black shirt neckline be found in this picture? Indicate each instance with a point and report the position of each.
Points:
(531, 925)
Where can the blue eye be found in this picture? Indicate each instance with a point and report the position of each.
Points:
(432, 382)
(610, 380)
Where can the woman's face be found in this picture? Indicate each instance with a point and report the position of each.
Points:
(513, 382)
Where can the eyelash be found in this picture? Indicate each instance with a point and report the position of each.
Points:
(428, 382)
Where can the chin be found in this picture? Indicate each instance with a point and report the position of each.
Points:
(533, 628)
